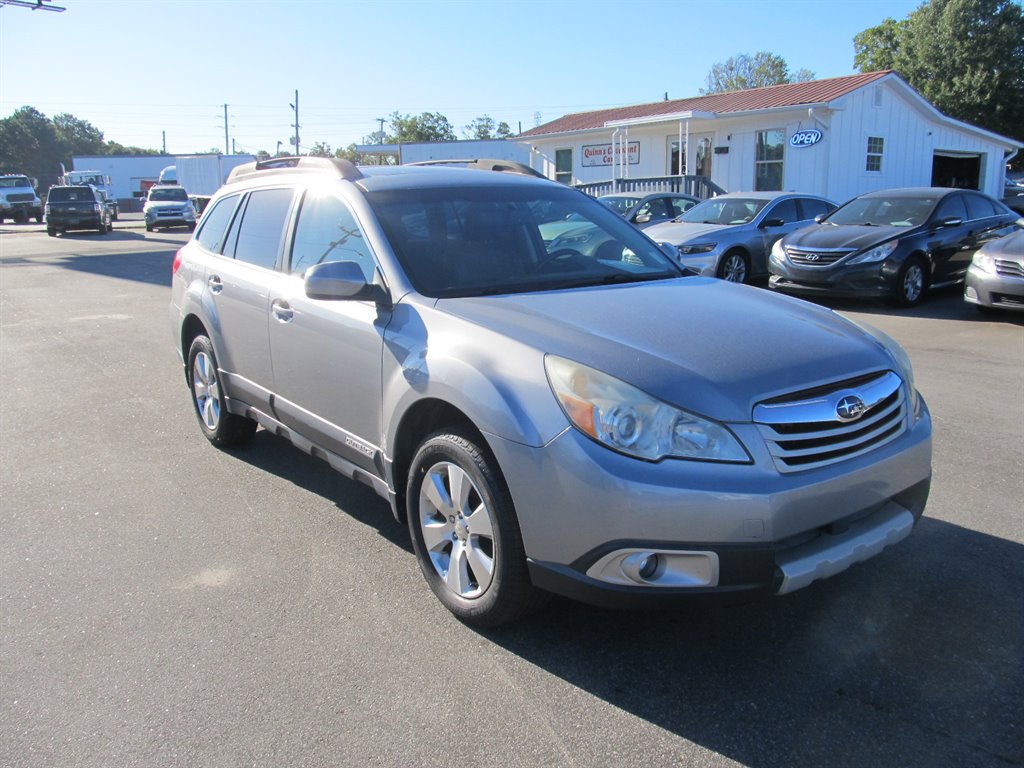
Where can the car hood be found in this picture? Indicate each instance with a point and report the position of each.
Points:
(677, 233)
(1010, 247)
(845, 236)
(706, 345)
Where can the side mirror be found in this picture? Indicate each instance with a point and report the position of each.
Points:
(951, 221)
(642, 218)
(342, 281)
(772, 223)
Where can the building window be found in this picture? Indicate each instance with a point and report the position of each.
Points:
(563, 166)
(676, 160)
(768, 162)
(876, 146)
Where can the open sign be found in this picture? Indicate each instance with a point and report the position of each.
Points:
(805, 138)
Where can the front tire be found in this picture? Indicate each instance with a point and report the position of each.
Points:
(221, 428)
(734, 268)
(51, 231)
(911, 282)
(465, 532)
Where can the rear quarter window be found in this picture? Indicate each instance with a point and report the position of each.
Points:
(214, 227)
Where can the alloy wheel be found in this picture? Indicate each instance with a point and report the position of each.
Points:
(207, 390)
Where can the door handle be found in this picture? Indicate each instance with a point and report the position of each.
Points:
(281, 310)
(215, 283)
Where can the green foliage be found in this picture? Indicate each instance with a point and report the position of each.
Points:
(484, 127)
(428, 126)
(740, 72)
(320, 149)
(965, 56)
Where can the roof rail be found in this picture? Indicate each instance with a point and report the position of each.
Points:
(487, 164)
(343, 169)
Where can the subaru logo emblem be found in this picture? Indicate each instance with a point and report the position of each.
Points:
(850, 408)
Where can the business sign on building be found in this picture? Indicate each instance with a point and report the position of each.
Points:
(602, 154)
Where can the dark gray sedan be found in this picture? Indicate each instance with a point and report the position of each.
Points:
(730, 236)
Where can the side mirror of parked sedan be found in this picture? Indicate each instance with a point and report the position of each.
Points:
(951, 221)
(771, 223)
(342, 281)
(641, 218)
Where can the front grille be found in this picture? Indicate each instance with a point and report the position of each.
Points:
(169, 212)
(1008, 268)
(816, 257)
(20, 198)
(804, 431)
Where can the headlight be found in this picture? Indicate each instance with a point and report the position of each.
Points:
(900, 359)
(627, 420)
(696, 248)
(878, 253)
(984, 262)
(573, 240)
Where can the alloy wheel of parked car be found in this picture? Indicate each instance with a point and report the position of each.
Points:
(220, 427)
(465, 533)
(910, 285)
(733, 267)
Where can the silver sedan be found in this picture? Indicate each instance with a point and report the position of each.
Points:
(995, 278)
(730, 236)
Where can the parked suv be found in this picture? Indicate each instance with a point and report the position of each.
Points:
(544, 420)
(168, 205)
(76, 207)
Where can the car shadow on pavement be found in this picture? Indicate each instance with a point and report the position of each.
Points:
(941, 304)
(152, 267)
(912, 660)
(276, 455)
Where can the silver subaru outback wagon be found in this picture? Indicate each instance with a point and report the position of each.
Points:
(601, 425)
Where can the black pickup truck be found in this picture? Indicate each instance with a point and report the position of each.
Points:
(76, 207)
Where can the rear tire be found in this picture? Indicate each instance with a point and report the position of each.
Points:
(465, 532)
(51, 231)
(149, 227)
(221, 428)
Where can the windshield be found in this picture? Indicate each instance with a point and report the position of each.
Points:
(176, 194)
(88, 179)
(476, 241)
(620, 205)
(884, 211)
(726, 211)
(14, 182)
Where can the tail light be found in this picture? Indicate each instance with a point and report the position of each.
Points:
(177, 262)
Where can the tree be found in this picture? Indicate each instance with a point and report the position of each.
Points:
(965, 56)
(484, 127)
(263, 155)
(79, 137)
(740, 72)
(320, 149)
(29, 144)
(429, 126)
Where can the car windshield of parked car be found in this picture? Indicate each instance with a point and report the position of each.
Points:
(71, 195)
(896, 211)
(620, 205)
(15, 182)
(724, 211)
(163, 195)
(476, 241)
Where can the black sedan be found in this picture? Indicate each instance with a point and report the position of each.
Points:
(893, 244)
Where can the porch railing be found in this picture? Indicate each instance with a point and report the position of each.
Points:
(699, 186)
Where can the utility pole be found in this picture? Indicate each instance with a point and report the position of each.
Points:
(165, 141)
(295, 106)
(232, 145)
(380, 134)
(225, 129)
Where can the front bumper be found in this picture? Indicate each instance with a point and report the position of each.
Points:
(720, 530)
(876, 280)
(994, 290)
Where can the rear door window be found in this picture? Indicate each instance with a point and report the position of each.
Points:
(261, 231)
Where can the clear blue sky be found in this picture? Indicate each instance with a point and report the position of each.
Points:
(136, 68)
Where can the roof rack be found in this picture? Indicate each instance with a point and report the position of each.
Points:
(343, 169)
(487, 164)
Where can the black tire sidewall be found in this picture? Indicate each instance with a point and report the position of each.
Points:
(231, 429)
(507, 595)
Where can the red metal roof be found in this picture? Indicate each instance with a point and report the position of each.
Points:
(788, 95)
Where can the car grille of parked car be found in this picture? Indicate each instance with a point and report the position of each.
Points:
(1008, 268)
(816, 257)
(804, 430)
(175, 213)
(20, 198)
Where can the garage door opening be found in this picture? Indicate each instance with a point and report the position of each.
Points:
(951, 169)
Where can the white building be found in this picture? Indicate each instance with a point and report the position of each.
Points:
(837, 138)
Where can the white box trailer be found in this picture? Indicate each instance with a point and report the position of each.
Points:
(204, 174)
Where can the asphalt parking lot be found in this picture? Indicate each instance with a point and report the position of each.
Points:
(163, 603)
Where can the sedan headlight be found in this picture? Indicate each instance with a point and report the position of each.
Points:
(623, 418)
(878, 253)
(686, 250)
(984, 262)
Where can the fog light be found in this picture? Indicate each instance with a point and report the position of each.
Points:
(649, 566)
(970, 293)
